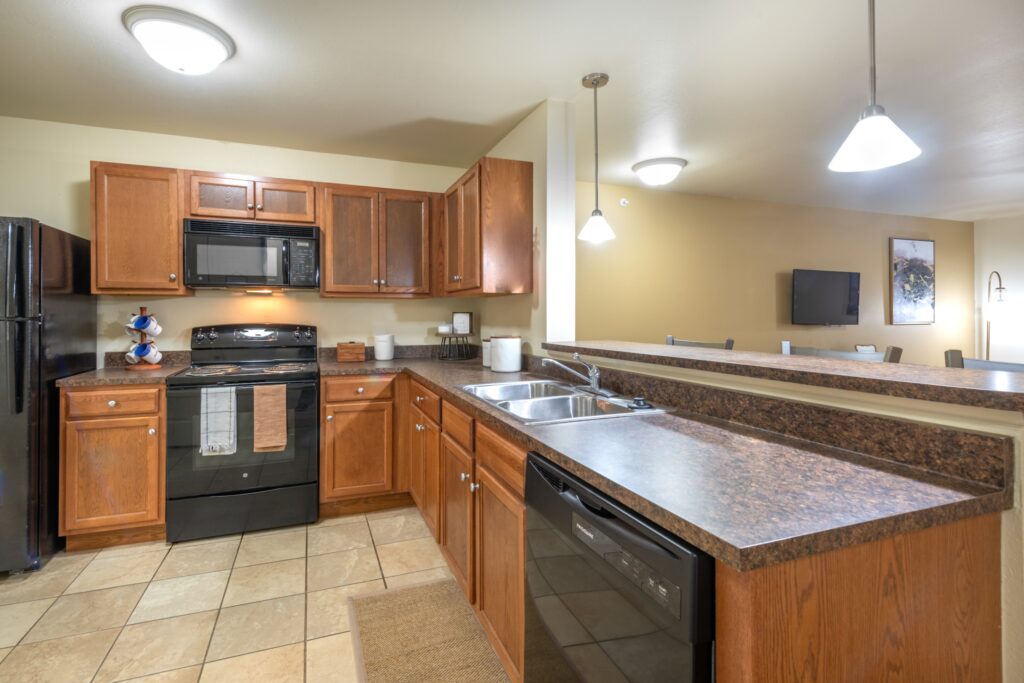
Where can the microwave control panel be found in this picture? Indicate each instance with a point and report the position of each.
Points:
(302, 263)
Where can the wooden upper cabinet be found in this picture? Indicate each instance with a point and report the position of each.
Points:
(350, 247)
(136, 230)
(290, 202)
(404, 242)
(376, 242)
(220, 197)
(489, 229)
(226, 195)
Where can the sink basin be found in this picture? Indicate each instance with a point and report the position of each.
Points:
(514, 391)
(547, 402)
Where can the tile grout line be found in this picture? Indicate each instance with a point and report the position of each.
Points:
(220, 607)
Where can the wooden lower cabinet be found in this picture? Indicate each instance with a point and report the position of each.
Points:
(500, 568)
(111, 472)
(425, 467)
(356, 449)
(457, 512)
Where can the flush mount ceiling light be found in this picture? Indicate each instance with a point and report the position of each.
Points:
(179, 41)
(875, 141)
(659, 171)
(596, 229)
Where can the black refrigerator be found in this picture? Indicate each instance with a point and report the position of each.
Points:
(47, 331)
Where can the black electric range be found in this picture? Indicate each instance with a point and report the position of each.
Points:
(220, 479)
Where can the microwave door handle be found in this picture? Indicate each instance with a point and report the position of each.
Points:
(286, 263)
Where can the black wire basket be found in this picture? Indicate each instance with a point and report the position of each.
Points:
(456, 347)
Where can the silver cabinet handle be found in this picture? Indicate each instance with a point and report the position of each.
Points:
(152, 432)
(112, 403)
(360, 390)
(248, 206)
(259, 207)
(330, 418)
(473, 488)
(463, 476)
(173, 277)
(420, 428)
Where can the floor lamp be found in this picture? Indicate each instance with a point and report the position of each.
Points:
(999, 289)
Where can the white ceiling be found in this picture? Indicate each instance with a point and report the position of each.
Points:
(757, 95)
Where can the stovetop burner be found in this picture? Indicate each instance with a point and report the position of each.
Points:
(283, 368)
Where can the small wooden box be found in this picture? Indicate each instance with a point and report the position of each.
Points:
(351, 352)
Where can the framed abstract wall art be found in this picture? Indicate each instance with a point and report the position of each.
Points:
(912, 286)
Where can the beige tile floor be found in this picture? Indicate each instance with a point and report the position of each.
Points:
(265, 606)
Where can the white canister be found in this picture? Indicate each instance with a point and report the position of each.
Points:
(383, 346)
(485, 345)
(506, 354)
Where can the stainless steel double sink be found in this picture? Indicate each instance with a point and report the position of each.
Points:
(548, 402)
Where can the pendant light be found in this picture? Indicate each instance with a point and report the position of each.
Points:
(875, 141)
(596, 229)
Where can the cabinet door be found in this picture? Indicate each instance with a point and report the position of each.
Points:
(220, 197)
(294, 202)
(137, 230)
(351, 243)
(416, 427)
(500, 567)
(112, 472)
(431, 492)
(356, 458)
(470, 252)
(452, 239)
(404, 243)
(457, 512)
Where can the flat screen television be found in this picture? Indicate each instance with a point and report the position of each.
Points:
(826, 297)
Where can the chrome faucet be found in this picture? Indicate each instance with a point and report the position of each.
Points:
(592, 378)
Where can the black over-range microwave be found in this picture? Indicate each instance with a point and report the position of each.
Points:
(250, 254)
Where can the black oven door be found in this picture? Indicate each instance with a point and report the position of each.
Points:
(235, 260)
(193, 470)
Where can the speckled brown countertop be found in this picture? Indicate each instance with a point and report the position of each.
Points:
(120, 375)
(983, 388)
(745, 496)
(748, 497)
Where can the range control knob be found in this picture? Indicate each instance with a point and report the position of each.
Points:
(309, 333)
(297, 333)
(213, 335)
(200, 336)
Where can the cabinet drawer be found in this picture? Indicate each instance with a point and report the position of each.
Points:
(426, 400)
(457, 425)
(502, 457)
(107, 403)
(363, 388)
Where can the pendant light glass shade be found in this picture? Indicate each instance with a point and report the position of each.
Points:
(875, 142)
(596, 229)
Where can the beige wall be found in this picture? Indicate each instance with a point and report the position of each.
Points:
(708, 268)
(999, 246)
(45, 175)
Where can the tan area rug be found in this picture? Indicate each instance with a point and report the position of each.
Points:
(421, 634)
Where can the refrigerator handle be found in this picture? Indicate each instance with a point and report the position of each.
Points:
(8, 293)
(16, 357)
(19, 281)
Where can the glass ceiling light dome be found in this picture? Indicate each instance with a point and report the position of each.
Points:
(659, 171)
(177, 40)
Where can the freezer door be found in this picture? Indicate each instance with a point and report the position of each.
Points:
(19, 286)
(19, 448)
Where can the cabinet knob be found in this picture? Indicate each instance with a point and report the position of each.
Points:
(112, 403)
(421, 398)
(248, 206)
(456, 278)
(463, 476)
(360, 390)
(473, 487)
(382, 282)
(259, 207)
(173, 277)
(376, 282)
(152, 432)
(330, 418)
(420, 428)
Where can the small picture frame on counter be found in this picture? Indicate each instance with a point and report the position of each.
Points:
(462, 323)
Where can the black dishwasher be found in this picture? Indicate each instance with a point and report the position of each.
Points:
(610, 596)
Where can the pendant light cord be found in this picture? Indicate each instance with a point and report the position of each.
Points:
(871, 50)
(596, 204)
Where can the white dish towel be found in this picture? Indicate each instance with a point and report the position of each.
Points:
(217, 421)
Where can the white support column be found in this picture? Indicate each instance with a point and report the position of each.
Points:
(560, 252)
